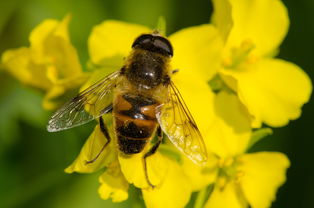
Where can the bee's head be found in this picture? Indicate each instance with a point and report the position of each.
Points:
(154, 43)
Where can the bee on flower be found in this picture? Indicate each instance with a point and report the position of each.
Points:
(207, 89)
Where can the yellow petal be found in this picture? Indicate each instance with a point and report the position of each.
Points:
(174, 191)
(273, 90)
(18, 63)
(198, 97)
(63, 91)
(49, 102)
(263, 22)
(133, 169)
(222, 17)
(227, 196)
(113, 184)
(263, 174)
(112, 40)
(89, 151)
(38, 38)
(200, 176)
(230, 132)
(50, 45)
(198, 50)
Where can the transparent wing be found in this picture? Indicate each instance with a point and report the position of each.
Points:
(86, 106)
(177, 122)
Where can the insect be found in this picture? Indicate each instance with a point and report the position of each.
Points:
(143, 101)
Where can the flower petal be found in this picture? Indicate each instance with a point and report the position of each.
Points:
(19, 64)
(63, 91)
(174, 191)
(113, 184)
(198, 97)
(197, 49)
(113, 40)
(227, 196)
(273, 90)
(39, 35)
(263, 174)
(222, 17)
(133, 169)
(51, 46)
(230, 133)
(90, 149)
(263, 22)
(200, 176)
(49, 101)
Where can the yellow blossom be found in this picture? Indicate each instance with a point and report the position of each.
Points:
(273, 90)
(243, 179)
(50, 63)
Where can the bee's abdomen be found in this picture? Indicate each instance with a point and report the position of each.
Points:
(135, 121)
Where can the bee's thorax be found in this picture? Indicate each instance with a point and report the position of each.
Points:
(146, 70)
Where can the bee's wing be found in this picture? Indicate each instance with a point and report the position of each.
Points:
(177, 122)
(86, 106)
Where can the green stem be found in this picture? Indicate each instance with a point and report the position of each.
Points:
(200, 199)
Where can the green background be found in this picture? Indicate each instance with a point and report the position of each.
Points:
(32, 160)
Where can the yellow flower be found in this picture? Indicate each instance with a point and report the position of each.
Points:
(273, 90)
(50, 63)
(109, 42)
(243, 179)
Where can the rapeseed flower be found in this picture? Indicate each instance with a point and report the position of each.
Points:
(50, 63)
(273, 90)
(242, 179)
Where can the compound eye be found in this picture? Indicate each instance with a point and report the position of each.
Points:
(164, 45)
(153, 43)
(143, 39)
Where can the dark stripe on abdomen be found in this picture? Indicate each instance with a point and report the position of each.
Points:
(135, 114)
(131, 146)
(134, 131)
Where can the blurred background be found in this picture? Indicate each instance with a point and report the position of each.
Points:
(32, 160)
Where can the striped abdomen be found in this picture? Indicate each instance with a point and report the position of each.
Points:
(135, 121)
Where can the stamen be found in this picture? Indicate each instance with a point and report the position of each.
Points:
(239, 55)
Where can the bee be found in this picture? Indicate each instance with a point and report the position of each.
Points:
(143, 101)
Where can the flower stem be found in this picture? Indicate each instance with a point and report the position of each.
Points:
(200, 199)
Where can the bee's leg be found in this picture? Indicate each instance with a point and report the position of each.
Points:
(104, 130)
(152, 150)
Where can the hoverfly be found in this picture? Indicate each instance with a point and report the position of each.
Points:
(143, 101)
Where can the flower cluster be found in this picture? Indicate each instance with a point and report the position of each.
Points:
(230, 80)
